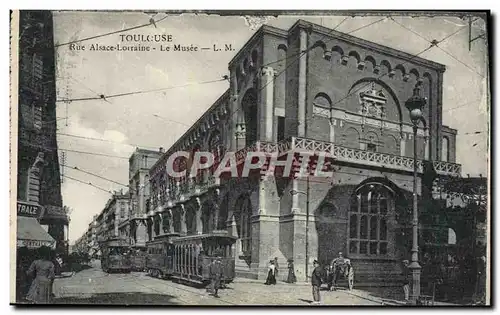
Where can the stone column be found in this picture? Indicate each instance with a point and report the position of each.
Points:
(161, 216)
(182, 211)
(301, 132)
(199, 223)
(267, 104)
(170, 221)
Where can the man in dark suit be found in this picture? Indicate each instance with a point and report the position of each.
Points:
(316, 277)
(215, 275)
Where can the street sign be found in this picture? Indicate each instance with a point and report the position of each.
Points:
(26, 209)
(34, 243)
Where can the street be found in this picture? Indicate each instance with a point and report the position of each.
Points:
(93, 286)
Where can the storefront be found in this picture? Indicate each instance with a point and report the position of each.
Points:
(30, 233)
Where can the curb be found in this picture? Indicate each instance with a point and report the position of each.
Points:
(367, 298)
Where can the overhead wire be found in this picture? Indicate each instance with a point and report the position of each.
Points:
(93, 153)
(440, 48)
(105, 140)
(151, 22)
(93, 174)
(87, 183)
(105, 97)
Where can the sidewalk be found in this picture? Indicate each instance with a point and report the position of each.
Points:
(383, 296)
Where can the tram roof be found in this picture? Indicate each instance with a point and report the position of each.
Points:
(215, 235)
(114, 242)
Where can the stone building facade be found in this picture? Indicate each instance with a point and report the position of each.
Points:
(134, 227)
(38, 172)
(310, 89)
(115, 212)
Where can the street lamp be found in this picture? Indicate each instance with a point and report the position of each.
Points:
(295, 192)
(415, 104)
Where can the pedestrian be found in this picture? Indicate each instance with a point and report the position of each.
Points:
(291, 272)
(215, 275)
(316, 277)
(271, 274)
(43, 271)
(406, 280)
(277, 268)
(22, 279)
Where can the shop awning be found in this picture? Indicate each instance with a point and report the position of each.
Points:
(31, 234)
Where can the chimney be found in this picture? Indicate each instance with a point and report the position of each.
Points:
(162, 150)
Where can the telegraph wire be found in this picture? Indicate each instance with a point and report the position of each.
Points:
(178, 122)
(104, 140)
(105, 97)
(93, 174)
(440, 48)
(461, 106)
(151, 23)
(463, 63)
(93, 153)
(88, 183)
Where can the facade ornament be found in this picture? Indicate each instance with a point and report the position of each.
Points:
(406, 77)
(361, 65)
(392, 73)
(255, 22)
(327, 55)
(268, 71)
(345, 60)
(376, 69)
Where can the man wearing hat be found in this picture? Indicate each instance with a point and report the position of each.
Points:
(215, 270)
(316, 277)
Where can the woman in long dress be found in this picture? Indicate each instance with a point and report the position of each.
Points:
(291, 272)
(42, 270)
(271, 275)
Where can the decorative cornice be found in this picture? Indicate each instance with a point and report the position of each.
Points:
(265, 29)
(330, 33)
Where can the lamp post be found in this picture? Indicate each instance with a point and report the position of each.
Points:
(295, 192)
(415, 104)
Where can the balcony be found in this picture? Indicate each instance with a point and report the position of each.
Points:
(349, 155)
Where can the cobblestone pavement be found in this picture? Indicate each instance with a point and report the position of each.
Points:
(93, 286)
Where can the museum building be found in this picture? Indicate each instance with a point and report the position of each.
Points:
(312, 89)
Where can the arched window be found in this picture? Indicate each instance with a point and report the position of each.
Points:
(249, 104)
(368, 216)
(452, 237)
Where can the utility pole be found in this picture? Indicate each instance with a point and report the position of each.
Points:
(471, 40)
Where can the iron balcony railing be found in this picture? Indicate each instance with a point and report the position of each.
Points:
(344, 154)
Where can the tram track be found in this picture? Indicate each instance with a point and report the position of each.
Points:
(176, 286)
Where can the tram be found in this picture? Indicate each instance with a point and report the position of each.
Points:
(138, 258)
(115, 255)
(188, 258)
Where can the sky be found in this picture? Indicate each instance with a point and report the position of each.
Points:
(157, 119)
